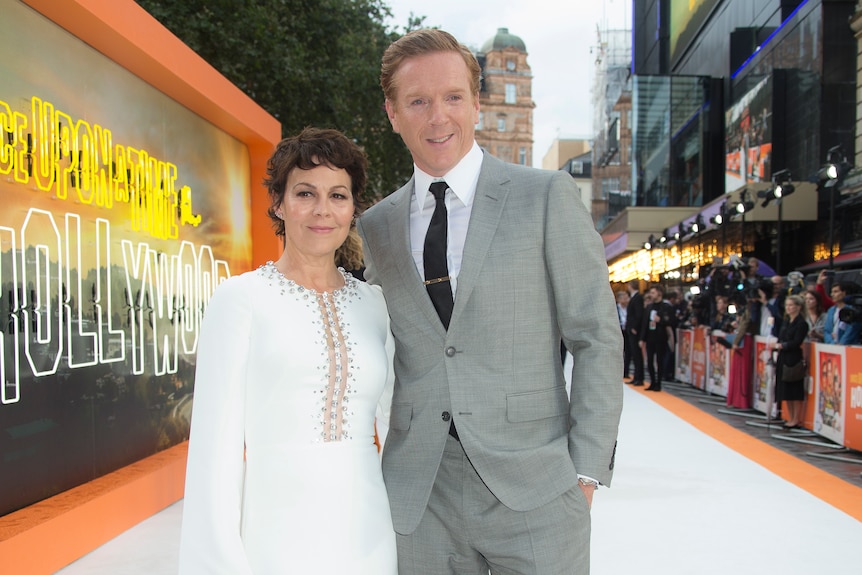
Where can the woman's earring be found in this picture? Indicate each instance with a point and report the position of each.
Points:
(279, 215)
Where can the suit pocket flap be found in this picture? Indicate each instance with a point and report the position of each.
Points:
(536, 405)
(400, 416)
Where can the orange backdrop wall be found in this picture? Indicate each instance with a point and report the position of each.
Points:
(52, 533)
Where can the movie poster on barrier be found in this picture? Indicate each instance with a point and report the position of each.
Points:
(684, 339)
(718, 367)
(763, 381)
(853, 419)
(830, 370)
(122, 210)
(698, 358)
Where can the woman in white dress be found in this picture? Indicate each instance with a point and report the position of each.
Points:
(293, 366)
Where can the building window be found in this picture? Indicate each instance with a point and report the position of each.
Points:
(511, 94)
(481, 124)
(510, 65)
(522, 156)
(609, 185)
(501, 124)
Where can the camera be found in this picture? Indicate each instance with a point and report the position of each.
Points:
(852, 310)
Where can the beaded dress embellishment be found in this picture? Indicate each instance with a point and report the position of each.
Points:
(334, 340)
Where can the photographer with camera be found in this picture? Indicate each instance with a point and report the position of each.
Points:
(844, 319)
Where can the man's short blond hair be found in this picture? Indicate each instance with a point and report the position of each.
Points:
(419, 43)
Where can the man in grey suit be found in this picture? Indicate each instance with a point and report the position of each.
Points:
(488, 464)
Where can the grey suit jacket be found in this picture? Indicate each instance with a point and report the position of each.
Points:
(533, 272)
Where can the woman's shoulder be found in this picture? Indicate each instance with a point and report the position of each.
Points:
(235, 289)
(239, 282)
(366, 290)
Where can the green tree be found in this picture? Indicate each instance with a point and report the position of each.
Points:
(307, 62)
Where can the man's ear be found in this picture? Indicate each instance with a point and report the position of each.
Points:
(393, 118)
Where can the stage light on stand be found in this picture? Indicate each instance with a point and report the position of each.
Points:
(650, 243)
(781, 188)
(745, 205)
(831, 176)
(720, 219)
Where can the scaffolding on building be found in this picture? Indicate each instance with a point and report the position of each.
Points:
(613, 53)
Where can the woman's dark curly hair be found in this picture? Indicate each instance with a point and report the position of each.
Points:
(311, 148)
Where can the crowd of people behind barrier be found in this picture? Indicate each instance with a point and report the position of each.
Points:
(736, 302)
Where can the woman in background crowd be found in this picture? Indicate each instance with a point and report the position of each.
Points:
(794, 329)
(815, 315)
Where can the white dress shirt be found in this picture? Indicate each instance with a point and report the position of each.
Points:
(459, 203)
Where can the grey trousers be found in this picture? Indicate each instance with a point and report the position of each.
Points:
(466, 531)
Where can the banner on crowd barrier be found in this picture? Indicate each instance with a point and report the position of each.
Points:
(122, 210)
(764, 376)
(853, 413)
(718, 368)
(684, 339)
(699, 358)
(829, 410)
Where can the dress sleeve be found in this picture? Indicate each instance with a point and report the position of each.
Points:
(384, 405)
(212, 511)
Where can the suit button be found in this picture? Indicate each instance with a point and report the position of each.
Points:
(446, 416)
(450, 352)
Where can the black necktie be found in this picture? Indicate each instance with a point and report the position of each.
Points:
(434, 257)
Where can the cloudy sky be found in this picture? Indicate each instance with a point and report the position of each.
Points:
(560, 36)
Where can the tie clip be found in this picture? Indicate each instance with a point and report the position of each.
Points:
(437, 280)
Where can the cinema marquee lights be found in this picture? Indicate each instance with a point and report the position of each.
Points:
(78, 161)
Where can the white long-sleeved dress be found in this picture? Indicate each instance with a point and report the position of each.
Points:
(283, 475)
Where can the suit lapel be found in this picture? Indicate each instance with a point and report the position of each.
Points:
(492, 190)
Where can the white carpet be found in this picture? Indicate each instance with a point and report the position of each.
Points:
(681, 504)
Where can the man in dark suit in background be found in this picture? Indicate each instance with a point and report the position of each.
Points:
(634, 320)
